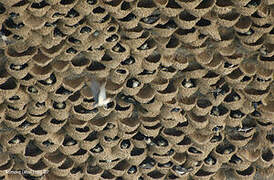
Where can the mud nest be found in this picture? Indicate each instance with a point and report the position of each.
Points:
(191, 83)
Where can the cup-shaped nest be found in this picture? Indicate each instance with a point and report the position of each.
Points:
(145, 94)
(134, 32)
(224, 151)
(101, 24)
(123, 109)
(146, 48)
(41, 59)
(144, 8)
(179, 62)
(147, 165)
(265, 159)
(69, 53)
(53, 51)
(167, 94)
(270, 36)
(60, 94)
(72, 17)
(218, 114)
(19, 100)
(203, 8)
(166, 29)
(6, 163)
(183, 145)
(250, 36)
(120, 168)
(51, 83)
(80, 156)
(265, 28)
(150, 130)
(97, 54)
(223, 7)
(78, 64)
(83, 32)
(186, 20)
(199, 122)
(108, 61)
(260, 17)
(154, 175)
(194, 71)
(111, 40)
(69, 146)
(137, 155)
(9, 87)
(13, 142)
(172, 135)
(210, 78)
(20, 57)
(31, 153)
(228, 19)
(52, 125)
(150, 21)
(238, 163)
(146, 76)
(120, 51)
(130, 21)
(249, 8)
(205, 57)
(203, 106)
(266, 62)
(187, 35)
(187, 103)
(172, 9)
(133, 64)
(64, 6)
(211, 164)
(85, 7)
(202, 174)
(239, 140)
(123, 148)
(90, 141)
(52, 143)
(108, 163)
(235, 118)
(54, 159)
(84, 114)
(128, 125)
(119, 75)
(64, 168)
(159, 84)
(256, 95)
(168, 45)
(257, 45)
(187, 87)
(53, 39)
(234, 100)
(189, 4)
(97, 69)
(152, 62)
(248, 173)
(243, 25)
(161, 150)
(93, 171)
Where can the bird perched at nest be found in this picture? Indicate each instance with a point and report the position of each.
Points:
(98, 89)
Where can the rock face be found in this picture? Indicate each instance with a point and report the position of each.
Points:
(188, 89)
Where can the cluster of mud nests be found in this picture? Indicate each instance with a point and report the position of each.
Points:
(190, 82)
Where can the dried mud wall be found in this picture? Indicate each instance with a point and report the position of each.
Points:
(191, 83)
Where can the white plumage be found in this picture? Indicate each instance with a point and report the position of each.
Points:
(99, 93)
